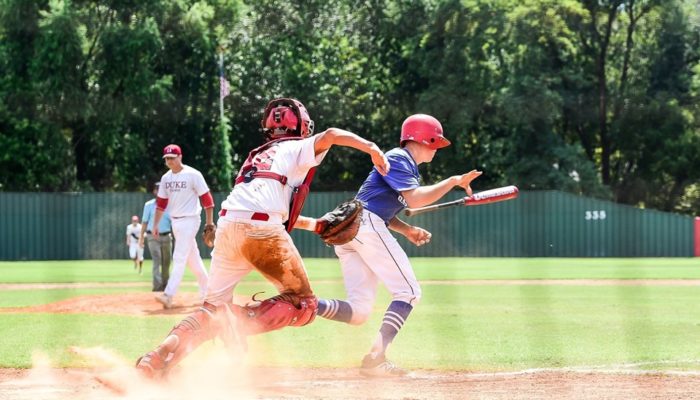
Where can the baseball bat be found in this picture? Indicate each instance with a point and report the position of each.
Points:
(487, 196)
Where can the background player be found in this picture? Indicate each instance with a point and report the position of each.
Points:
(251, 235)
(133, 231)
(178, 193)
(375, 255)
(161, 247)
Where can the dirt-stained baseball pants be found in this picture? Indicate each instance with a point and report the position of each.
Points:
(242, 245)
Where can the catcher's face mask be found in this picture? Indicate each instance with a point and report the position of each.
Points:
(285, 117)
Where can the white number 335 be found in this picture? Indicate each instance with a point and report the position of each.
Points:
(595, 215)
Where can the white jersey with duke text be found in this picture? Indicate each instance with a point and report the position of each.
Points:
(182, 190)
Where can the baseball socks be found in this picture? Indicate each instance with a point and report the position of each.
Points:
(394, 318)
(336, 310)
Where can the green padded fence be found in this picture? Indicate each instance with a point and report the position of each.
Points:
(59, 226)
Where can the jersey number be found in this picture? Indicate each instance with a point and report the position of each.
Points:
(263, 161)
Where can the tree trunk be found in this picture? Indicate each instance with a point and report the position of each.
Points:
(605, 142)
(602, 121)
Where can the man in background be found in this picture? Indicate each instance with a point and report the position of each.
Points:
(133, 230)
(161, 247)
(183, 192)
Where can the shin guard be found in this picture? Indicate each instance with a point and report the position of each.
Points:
(186, 336)
(276, 313)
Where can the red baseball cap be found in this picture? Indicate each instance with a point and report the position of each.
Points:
(172, 150)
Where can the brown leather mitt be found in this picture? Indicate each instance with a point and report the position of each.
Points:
(209, 234)
(340, 225)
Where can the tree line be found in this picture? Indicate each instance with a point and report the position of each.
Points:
(597, 97)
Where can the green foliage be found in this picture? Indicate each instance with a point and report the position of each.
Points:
(592, 97)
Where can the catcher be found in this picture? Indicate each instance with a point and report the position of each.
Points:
(269, 191)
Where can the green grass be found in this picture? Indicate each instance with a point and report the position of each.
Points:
(464, 327)
(426, 268)
(54, 334)
(515, 327)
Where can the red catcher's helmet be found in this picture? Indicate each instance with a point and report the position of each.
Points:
(286, 117)
(425, 129)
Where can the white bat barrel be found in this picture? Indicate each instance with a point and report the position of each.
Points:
(492, 196)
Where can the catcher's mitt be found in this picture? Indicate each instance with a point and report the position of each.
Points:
(209, 234)
(340, 225)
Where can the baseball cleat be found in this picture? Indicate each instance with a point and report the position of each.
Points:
(151, 366)
(380, 367)
(165, 300)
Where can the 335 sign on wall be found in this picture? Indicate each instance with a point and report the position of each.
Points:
(594, 215)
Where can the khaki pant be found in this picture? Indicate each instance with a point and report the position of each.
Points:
(161, 250)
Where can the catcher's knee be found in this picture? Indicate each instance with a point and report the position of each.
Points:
(277, 312)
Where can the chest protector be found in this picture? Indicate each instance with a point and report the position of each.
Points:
(257, 167)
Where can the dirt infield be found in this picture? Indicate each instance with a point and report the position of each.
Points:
(120, 382)
(133, 304)
(298, 383)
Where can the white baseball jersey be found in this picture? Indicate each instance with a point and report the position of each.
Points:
(291, 158)
(182, 190)
(133, 232)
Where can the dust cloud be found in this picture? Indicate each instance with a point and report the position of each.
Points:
(206, 374)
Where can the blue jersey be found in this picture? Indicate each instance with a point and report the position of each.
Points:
(382, 194)
(149, 215)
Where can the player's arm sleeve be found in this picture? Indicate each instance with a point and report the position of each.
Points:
(162, 197)
(307, 154)
(161, 203)
(400, 176)
(206, 200)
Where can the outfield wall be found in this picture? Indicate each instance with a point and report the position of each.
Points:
(58, 226)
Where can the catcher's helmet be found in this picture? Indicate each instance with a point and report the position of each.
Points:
(425, 129)
(285, 117)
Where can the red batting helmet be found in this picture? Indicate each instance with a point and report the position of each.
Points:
(423, 128)
(286, 117)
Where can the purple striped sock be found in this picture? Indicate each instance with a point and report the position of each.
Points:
(394, 318)
(336, 310)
